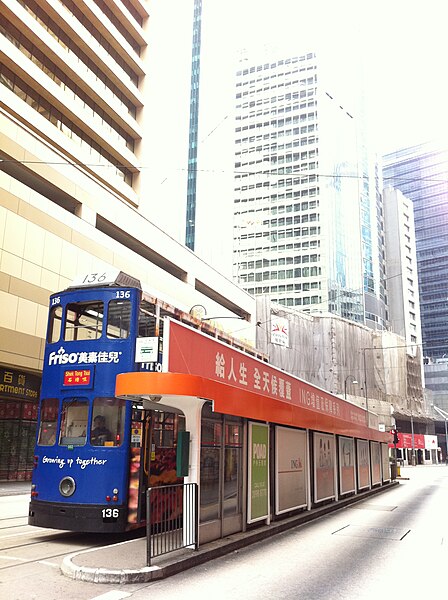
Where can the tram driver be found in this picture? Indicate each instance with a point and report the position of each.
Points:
(100, 433)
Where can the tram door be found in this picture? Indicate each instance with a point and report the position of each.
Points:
(158, 452)
(221, 477)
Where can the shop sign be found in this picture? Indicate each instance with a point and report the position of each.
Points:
(279, 331)
(258, 472)
(19, 385)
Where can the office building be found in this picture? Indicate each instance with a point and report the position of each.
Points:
(77, 140)
(401, 264)
(421, 174)
(307, 207)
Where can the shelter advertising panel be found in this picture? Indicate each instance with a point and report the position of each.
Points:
(347, 464)
(290, 469)
(385, 462)
(375, 459)
(363, 464)
(258, 488)
(323, 467)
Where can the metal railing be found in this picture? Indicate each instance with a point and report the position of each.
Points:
(172, 520)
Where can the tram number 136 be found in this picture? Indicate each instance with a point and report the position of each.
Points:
(110, 514)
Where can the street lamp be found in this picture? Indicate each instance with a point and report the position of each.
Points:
(345, 384)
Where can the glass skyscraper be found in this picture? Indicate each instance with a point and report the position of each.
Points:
(306, 228)
(193, 129)
(421, 173)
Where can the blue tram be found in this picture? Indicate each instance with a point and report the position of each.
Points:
(96, 454)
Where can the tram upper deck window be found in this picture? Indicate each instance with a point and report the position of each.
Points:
(48, 421)
(147, 322)
(107, 422)
(75, 412)
(119, 319)
(54, 324)
(84, 321)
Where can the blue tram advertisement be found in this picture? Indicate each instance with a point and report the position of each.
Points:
(129, 383)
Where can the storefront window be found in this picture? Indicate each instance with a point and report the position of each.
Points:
(48, 421)
(107, 422)
(74, 422)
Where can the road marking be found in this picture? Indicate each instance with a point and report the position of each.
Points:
(5, 537)
(114, 595)
(48, 564)
(13, 558)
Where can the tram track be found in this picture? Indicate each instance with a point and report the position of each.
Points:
(13, 550)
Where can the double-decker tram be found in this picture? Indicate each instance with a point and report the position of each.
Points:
(136, 394)
(96, 454)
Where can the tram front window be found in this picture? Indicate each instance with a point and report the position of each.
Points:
(48, 421)
(74, 416)
(107, 422)
(84, 321)
(54, 325)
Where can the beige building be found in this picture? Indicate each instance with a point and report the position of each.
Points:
(75, 141)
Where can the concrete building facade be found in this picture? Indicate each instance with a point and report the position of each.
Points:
(75, 141)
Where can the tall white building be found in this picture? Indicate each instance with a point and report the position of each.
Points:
(307, 230)
(402, 285)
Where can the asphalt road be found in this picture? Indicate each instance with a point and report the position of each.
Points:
(391, 545)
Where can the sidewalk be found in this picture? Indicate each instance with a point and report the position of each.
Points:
(125, 562)
(15, 488)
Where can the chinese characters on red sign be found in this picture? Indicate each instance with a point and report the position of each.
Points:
(77, 377)
(197, 354)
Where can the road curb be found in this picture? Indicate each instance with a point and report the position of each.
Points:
(102, 575)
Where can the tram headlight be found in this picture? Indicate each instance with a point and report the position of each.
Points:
(67, 486)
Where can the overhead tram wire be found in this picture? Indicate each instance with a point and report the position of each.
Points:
(237, 172)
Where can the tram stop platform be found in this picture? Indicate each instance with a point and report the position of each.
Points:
(125, 562)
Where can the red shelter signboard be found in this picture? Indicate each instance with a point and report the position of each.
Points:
(190, 352)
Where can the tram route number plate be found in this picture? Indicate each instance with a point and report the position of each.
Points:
(110, 515)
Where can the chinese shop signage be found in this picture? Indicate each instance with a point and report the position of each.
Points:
(19, 385)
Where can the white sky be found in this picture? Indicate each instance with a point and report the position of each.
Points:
(403, 45)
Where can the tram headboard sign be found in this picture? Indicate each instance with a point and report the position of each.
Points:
(78, 377)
